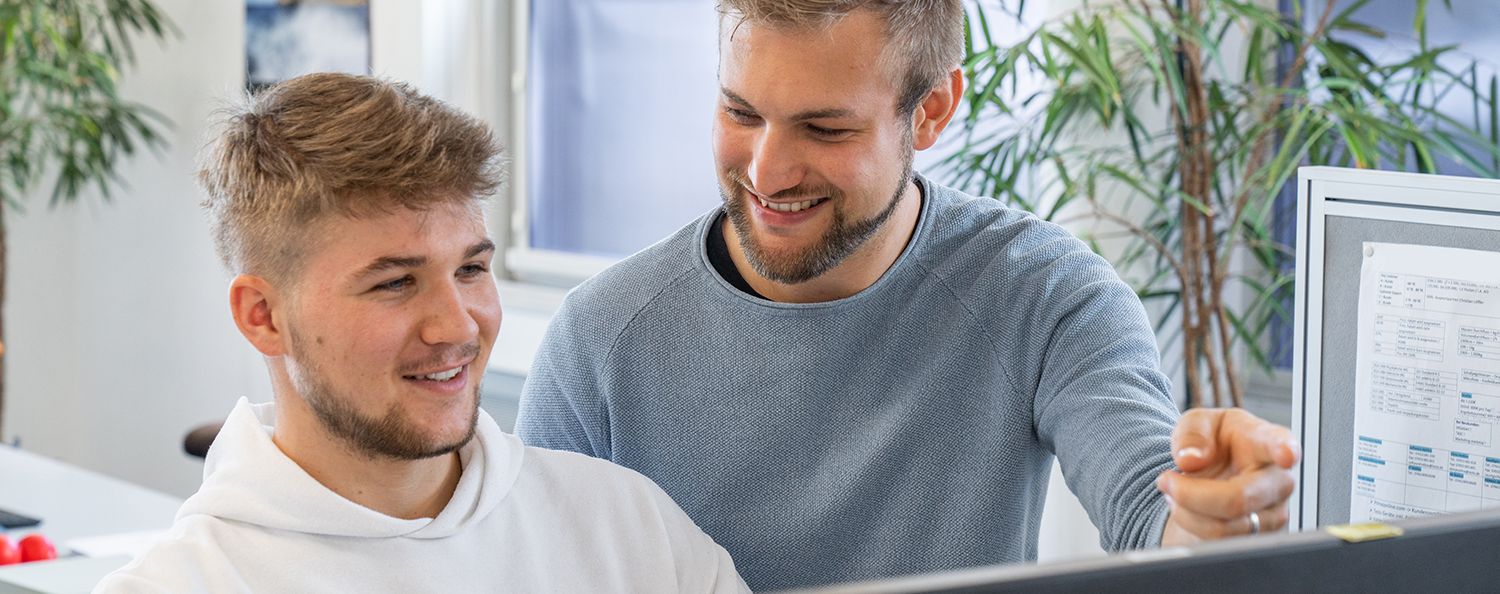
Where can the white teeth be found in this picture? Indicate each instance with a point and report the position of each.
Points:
(443, 376)
(791, 206)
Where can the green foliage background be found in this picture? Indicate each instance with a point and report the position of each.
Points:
(63, 122)
(1173, 124)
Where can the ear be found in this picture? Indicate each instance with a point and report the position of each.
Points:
(258, 311)
(937, 110)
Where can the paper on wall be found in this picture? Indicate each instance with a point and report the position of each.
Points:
(1427, 384)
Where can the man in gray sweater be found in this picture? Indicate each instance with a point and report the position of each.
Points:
(849, 372)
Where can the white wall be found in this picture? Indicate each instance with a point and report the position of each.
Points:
(118, 337)
(118, 341)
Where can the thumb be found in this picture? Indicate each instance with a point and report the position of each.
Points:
(1194, 447)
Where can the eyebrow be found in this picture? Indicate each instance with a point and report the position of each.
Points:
(479, 248)
(811, 114)
(385, 263)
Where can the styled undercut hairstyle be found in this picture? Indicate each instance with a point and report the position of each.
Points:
(279, 163)
(925, 38)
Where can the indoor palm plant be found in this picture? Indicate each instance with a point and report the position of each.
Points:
(1174, 124)
(63, 122)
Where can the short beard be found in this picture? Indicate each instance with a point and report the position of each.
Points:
(389, 436)
(840, 240)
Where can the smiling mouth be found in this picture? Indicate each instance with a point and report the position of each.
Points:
(441, 376)
(790, 206)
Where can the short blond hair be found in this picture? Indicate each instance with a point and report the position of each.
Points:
(928, 35)
(327, 144)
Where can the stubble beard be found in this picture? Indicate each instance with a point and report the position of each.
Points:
(392, 435)
(838, 242)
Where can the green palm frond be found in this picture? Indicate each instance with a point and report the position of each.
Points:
(1100, 107)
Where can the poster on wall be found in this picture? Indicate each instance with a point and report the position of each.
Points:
(288, 38)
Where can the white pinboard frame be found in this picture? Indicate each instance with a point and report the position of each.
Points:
(1337, 210)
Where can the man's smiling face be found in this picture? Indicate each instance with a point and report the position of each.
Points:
(812, 156)
(390, 328)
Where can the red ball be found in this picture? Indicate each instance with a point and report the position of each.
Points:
(9, 554)
(37, 548)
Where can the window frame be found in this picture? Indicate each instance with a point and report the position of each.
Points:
(521, 262)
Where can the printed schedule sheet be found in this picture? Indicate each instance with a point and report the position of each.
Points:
(1427, 389)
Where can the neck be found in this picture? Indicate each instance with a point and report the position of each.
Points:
(406, 489)
(856, 273)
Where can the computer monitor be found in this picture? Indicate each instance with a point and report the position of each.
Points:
(1446, 554)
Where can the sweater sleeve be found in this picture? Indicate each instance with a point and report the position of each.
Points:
(561, 405)
(1102, 404)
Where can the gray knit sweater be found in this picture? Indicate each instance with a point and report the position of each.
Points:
(909, 428)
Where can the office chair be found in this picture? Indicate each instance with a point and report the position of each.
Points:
(197, 441)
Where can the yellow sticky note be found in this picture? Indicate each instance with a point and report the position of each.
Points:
(1364, 532)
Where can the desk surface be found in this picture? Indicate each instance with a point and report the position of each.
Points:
(73, 503)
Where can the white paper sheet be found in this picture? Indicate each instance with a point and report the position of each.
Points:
(131, 544)
(1427, 389)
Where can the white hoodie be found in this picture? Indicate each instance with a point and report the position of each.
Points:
(521, 520)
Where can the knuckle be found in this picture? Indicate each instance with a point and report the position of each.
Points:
(1222, 530)
(1237, 508)
(1209, 528)
(1237, 503)
(1196, 419)
(1274, 518)
(1286, 486)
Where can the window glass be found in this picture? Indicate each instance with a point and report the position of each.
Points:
(1470, 25)
(620, 98)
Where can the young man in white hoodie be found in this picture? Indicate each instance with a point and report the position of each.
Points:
(349, 209)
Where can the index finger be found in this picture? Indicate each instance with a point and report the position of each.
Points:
(1256, 442)
(1195, 439)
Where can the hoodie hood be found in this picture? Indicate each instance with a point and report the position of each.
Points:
(246, 478)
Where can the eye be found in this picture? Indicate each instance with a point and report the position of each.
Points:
(741, 116)
(473, 270)
(828, 133)
(396, 285)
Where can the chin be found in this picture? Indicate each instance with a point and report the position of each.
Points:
(448, 438)
(455, 425)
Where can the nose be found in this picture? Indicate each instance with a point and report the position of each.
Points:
(447, 319)
(774, 162)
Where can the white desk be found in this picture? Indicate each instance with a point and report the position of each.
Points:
(72, 503)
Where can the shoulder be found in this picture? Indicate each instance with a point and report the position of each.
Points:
(637, 279)
(971, 229)
(609, 507)
(980, 246)
(607, 301)
(603, 495)
(188, 558)
(577, 475)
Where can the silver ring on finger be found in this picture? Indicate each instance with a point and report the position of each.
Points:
(1254, 523)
